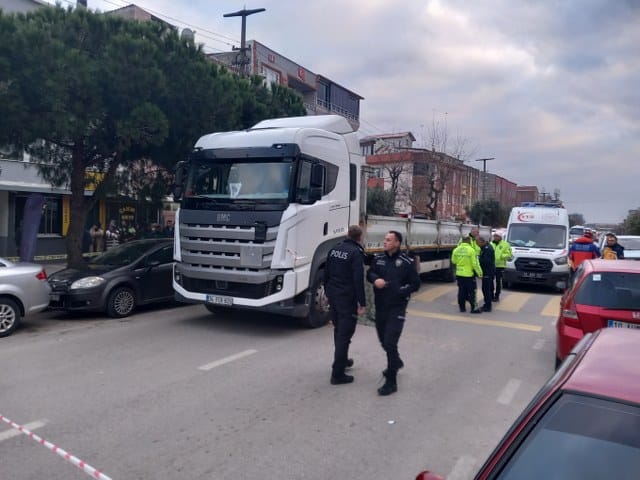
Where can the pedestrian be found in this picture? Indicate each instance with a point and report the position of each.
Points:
(487, 261)
(612, 250)
(168, 229)
(582, 249)
(112, 235)
(97, 237)
(344, 286)
(467, 268)
(474, 233)
(502, 250)
(395, 278)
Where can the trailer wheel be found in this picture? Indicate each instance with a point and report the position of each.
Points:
(319, 310)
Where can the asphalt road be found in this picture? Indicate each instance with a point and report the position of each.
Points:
(176, 393)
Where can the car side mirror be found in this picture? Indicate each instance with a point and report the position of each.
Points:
(180, 175)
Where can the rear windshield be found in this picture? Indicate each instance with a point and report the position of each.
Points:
(579, 438)
(616, 290)
(576, 231)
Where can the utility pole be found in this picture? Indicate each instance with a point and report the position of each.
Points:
(484, 174)
(243, 58)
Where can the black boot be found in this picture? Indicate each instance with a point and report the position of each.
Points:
(401, 365)
(390, 385)
(339, 378)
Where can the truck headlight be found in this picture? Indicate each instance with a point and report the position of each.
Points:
(86, 282)
(561, 261)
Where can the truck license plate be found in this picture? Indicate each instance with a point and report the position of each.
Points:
(219, 300)
(531, 275)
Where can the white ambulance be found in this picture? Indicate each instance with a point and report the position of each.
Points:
(539, 238)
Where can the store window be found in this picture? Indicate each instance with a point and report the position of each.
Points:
(51, 219)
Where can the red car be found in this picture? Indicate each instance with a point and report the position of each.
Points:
(585, 421)
(603, 293)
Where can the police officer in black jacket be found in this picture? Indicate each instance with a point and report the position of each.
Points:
(395, 278)
(344, 286)
(487, 259)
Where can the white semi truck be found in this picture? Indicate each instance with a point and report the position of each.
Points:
(539, 238)
(261, 208)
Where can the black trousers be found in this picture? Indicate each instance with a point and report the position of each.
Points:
(467, 292)
(344, 317)
(389, 325)
(498, 289)
(487, 290)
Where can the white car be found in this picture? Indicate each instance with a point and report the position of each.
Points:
(631, 244)
(23, 291)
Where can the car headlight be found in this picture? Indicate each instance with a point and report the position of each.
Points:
(87, 282)
(561, 261)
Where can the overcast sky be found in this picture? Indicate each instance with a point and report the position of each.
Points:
(551, 89)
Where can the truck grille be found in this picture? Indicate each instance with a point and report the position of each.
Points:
(533, 265)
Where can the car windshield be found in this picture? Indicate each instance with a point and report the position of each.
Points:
(537, 235)
(579, 231)
(266, 179)
(631, 243)
(580, 437)
(615, 290)
(123, 254)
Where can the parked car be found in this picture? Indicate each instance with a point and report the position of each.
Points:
(631, 244)
(118, 280)
(585, 421)
(23, 291)
(602, 293)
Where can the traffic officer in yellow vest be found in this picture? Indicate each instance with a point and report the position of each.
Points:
(465, 259)
(503, 252)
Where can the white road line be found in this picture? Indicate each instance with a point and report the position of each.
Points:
(539, 344)
(463, 469)
(7, 434)
(509, 391)
(224, 360)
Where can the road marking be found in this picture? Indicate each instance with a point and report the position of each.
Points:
(513, 302)
(539, 344)
(7, 434)
(477, 321)
(228, 359)
(431, 294)
(552, 308)
(463, 469)
(509, 391)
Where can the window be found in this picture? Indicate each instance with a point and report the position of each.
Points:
(613, 290)
(164, 255)
(51, 218)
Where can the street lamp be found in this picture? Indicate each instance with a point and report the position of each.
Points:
(484, 174)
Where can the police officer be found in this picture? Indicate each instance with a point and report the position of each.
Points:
(465, 259)
(487, 260)
(344, 285)
(395, 278)
(502, 250)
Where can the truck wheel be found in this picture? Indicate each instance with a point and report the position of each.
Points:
(121, 302)
(9, 316)
(319, 310)
(449, 274)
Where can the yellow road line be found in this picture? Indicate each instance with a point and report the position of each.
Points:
(477, 321)
(552, 308)
(432, 293)
(512, 302)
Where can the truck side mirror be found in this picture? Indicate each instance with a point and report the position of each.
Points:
(180, 173)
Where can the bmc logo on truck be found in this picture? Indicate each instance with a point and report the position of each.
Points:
(525, 217)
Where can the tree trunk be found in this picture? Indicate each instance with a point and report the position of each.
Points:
(78, 211)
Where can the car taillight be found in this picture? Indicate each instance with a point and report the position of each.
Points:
(42, 275)
(570, 316)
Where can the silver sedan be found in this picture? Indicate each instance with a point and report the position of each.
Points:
(23, 291)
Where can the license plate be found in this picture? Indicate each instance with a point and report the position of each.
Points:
(219, 300)
(54, 297)
(619, 324)
(531, 275)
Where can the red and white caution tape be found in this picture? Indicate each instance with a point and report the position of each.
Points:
(85, 467)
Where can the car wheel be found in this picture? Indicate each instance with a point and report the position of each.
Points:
(9, 316)
(319, 310)
(121, 302)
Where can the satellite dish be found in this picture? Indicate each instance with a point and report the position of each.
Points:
(188, 35)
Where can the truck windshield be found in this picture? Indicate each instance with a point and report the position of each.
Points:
(260, 180)
(538, 236)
